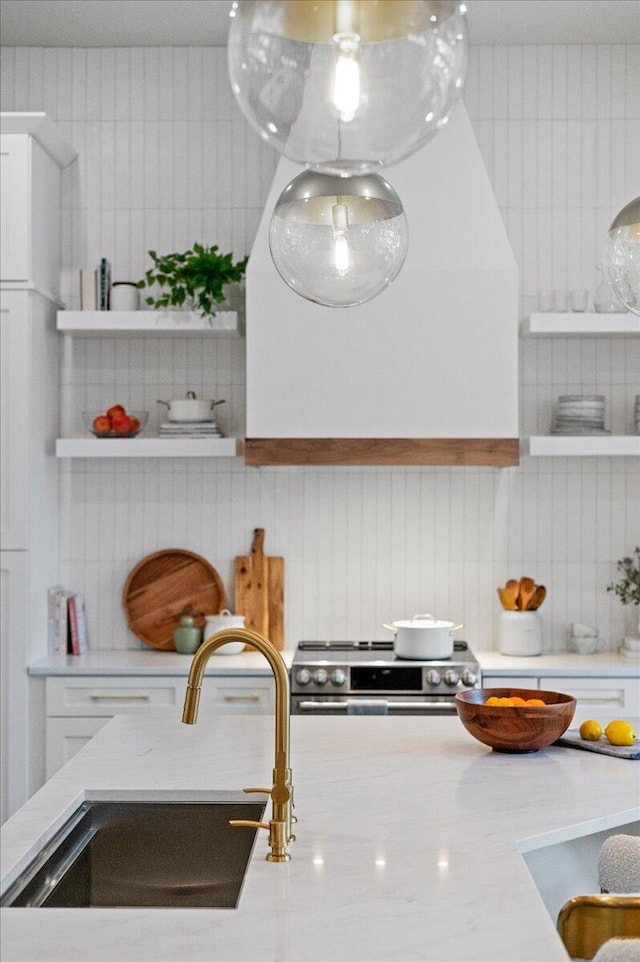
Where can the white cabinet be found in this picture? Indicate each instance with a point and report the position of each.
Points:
(14, 602)
(28, 417)
(32, 154)
(78, 706)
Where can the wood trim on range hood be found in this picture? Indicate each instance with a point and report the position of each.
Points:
(468, 452)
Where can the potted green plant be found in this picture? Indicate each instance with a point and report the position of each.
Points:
(193, 280)
(628, 589)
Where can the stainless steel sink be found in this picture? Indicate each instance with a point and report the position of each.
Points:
(165, 854)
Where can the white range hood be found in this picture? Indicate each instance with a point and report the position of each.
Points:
(434, 357)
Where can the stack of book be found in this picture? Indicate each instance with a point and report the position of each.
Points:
(95, 287)
(190, 429)
(67, 625)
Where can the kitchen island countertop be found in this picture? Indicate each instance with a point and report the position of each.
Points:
(410, 842)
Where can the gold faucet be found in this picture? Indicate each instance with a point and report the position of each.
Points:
(279, 827)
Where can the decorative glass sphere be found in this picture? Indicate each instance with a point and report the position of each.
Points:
(622, 257)
(338, 241)
(347, 84)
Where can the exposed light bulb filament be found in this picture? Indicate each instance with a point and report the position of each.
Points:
(340, 222)
(346, 78)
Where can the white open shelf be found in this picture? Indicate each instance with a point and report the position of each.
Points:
(583, 446)
(580, 325)
(148, 322)
(148, 447)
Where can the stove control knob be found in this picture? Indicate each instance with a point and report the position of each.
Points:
(338, 677)
(433, 677)
(303, 676)
(469, 677)
(320, 676)
(451, 677)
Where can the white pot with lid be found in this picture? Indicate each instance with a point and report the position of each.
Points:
(190, 408)
(215, 623)
(423, 638)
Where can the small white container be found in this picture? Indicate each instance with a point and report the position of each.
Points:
(124, 296)
(215, 623)
(520, 633)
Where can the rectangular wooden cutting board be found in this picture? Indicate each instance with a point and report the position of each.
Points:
(259, 591)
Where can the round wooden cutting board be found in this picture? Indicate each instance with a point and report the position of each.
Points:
(163, 587)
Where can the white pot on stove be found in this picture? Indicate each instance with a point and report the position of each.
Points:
(423, 638)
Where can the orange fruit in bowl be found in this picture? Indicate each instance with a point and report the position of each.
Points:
(535, 703)
(517, 701)
(492, 701)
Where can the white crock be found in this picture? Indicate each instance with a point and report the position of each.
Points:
(520, 633)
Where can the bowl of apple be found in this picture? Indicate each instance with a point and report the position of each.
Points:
(115, 422)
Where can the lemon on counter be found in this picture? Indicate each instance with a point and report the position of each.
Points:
(591, 730)
(620, 732)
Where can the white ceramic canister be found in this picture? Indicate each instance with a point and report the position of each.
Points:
(215, 623)
(520, 633)
(124, 296)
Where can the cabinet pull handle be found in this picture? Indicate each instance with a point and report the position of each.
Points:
(618, 699)
(241, 697)
(132, 697)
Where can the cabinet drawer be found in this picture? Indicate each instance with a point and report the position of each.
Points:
(238, 695)
(600, 698)
(111, 696)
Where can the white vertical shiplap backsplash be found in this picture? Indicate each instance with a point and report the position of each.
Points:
(165, 158)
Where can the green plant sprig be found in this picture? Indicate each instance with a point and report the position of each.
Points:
(199, 274)
(628, 588)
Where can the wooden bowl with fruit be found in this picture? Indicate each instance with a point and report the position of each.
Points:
(515, 719)
(115, 422)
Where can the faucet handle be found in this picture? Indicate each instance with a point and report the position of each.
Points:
(249, 823)
(263, 791)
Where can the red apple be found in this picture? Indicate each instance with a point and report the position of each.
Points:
(102, 425)
(115, 411)
(123, 424)
(135, 424)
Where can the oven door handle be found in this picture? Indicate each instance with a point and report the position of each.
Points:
(415, 707)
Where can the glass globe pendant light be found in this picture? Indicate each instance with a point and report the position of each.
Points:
(622, 256)
(338, 240)
(347, 85)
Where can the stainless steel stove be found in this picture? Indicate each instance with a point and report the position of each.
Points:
(353, 677)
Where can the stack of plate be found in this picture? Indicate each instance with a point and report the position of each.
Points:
(636, 413)
(189, 429)
(579, 414)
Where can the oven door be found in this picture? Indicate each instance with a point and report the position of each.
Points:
(354, 705)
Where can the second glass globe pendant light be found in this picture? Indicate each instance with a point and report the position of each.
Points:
(344, 87)
(338, 241)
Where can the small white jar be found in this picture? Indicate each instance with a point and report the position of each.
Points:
(520, 633)
(215, 623)
(124, 296)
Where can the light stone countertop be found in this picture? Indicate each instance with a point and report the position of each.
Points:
(150, 662)
(409, 846)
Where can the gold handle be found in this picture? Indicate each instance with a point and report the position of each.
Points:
(265, 791)
(241, 697)
(95, 697)
(248, 823)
